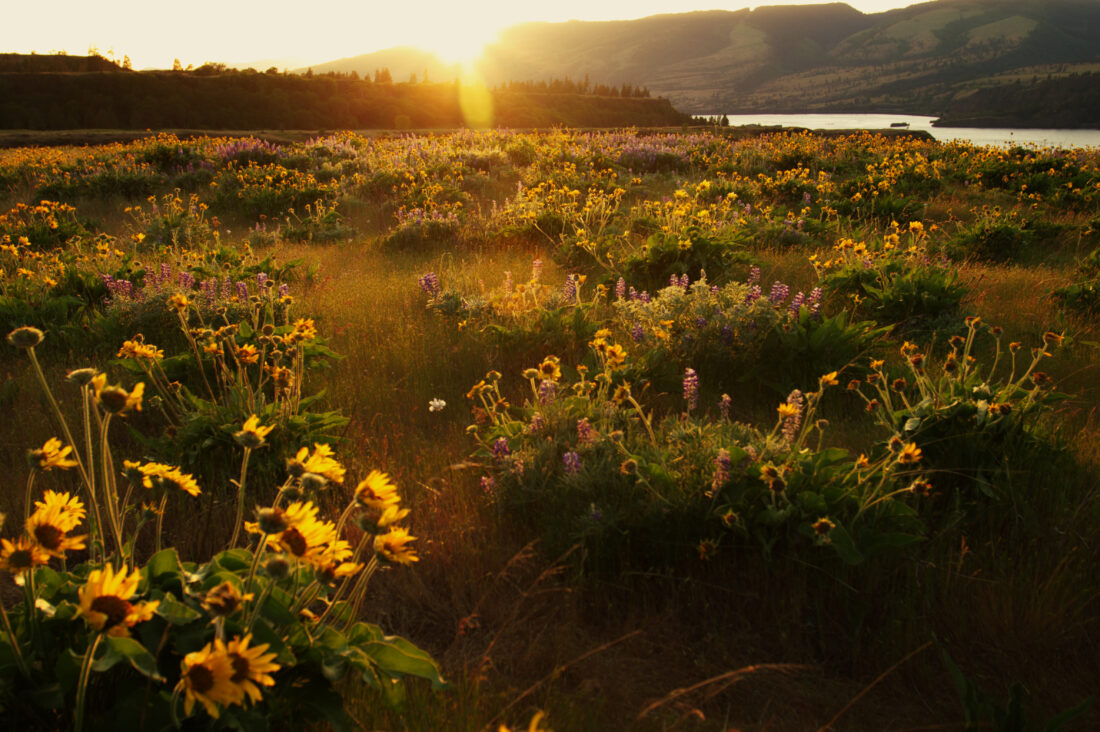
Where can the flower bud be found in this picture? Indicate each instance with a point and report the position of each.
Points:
(25, 337)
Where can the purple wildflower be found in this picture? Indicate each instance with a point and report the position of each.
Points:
(586, 433)
(488, 485)
(547, 391)
(429, 283)
(284, 290)
(242, 292)
(792, 423)
(724, 406)
(778, 293)
(691, 388)
(754, 275)
(796, 304)
(501, 449)
(571, 462)
(721, 469)
(536, 423)
(620, 289)
(637, 333)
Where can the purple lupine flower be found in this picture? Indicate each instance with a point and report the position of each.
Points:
(691, 388)
(673, 281)
(724, 406)
(637, 333)
(754, 275)
(753, 294)
(569, 289)
(806, 198)
(242, 292)
(547, 391)
(488, 485)
(227, 288)
(586, 433)
(187, 281)
(620, 289)
(284, 290)
(209, 291)
(779, 293)
(721, 469)
(792, 423)
(633, 294)
(684, 281)
(796, 304)
(536, 423)
(429, 283)
(700, 322)
(644, 297)
(571, 462)
(501, 449)
(261, 280)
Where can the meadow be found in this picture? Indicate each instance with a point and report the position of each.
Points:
(614, 430)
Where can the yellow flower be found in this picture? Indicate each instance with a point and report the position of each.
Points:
(179, 302)
(909, 454)
(829, 379)
(393, 546)
(105, 601)
(615, 356)
(251, 666)
(22, 555)
(153, 474)
(49, 527)
(68, 509)
(376, 491)
(248, 354)
(550, 368)
(319, 461)
(252, 434)
(52, 455)
(117, 400)
(138, 349)
(786, 410)
(305, 537)
(207, 679)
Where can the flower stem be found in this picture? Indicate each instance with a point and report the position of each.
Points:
(14, 643)
(240, 499)
(82, 685)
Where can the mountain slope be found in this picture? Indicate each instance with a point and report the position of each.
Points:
(810, 58)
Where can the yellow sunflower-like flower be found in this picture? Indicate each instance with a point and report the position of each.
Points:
(153, 474)
(207, 679)
(117, 400)
(910, 454)
(224, 599)
(139, 350)
(394, 546)
(550, 368)
(247, 354)
(105, 601)
(53, 455)
(305, 537)
(49, 526)
(179, 302)
(376, 491)
(20, 556)
(320, 461)
(251, 666)
(252, 434)
(68, 508)
(786, 409)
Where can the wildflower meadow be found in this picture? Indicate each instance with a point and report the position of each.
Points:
(491, 430)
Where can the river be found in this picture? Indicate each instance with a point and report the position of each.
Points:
(975, 135)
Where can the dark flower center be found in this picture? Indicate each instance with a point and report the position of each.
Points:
(49, 536)
(295, 542)
(20, 559)
(115, 608)
(200, 678)
(241, 668)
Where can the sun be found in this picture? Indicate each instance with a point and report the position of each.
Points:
(462, 46)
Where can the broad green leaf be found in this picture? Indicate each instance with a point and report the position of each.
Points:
(129, 650)
(176, 612)
(397, 656)
(845, 547)
(162, 566)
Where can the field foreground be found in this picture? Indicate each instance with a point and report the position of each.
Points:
(777, 432)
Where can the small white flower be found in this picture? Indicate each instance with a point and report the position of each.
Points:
(436, 405)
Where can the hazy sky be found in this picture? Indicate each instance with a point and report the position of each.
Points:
(154, 33)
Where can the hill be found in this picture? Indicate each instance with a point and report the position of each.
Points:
(402, 63)
(816, 58)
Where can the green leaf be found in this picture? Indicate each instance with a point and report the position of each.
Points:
(176, 612)
(129, 650)
(164, 566)
(397, 656)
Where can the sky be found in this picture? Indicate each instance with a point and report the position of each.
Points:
(284, 33)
